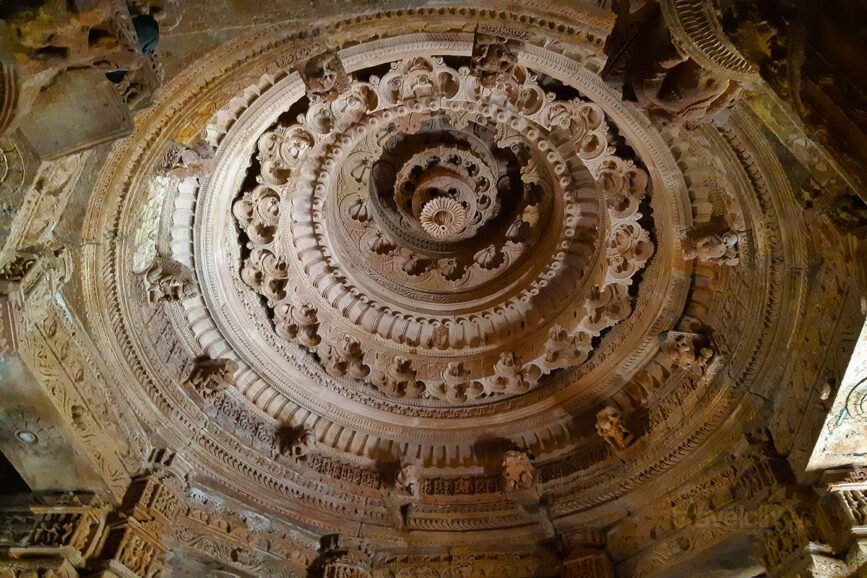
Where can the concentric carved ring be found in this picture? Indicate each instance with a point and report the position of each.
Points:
(451, 232)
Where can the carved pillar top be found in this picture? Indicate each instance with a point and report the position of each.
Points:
(585, 555)
(344, 557)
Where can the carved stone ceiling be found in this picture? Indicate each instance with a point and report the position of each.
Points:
(422, 271)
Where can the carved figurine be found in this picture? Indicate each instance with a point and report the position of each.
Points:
(610, 427)
(324, 77)
(494, 58)
(713, 248)
(408, 479)
(299, 444)
(518, 471)
(211, 377)
(656, 73)
(690, 351)
(168, 280)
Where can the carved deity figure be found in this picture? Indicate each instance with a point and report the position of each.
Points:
(689, 351)
(518, 471)
(408, 479)
(324, 77)
(210, 377)
(298, 444)
(610, 427)
(168, 280)
(719, 248)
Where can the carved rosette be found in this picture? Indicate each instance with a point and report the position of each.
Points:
(444, 233)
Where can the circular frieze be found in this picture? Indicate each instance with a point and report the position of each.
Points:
(450, 239)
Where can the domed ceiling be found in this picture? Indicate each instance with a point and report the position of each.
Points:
(422, 279)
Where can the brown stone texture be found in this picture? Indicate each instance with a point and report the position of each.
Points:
(396, 289)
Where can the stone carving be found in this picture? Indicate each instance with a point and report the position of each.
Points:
(397, 379)
(612, 429)
(37, 53)
(489, 257)
(324, 76)
(494, 58)
(790, 532)
(297, 444)
(167, 280)
(381, 245)
(299, 324)
(456, 322)
(562, 349)
(518, 471)
(409, 479)
(422, 210)
(443, 218)
(455, 386)
(655, 70)
(211, 377)
(512, 376)
(687, 350)
(345, 358)
(713, 248)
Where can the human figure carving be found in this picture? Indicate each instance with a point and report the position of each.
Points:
(324, 77)
(610, 427)
(720, 248)
(408, 479)
(299, 444)
(494, 58)
(211, 377)
(518, 471)
(689, 351)
(168, 280)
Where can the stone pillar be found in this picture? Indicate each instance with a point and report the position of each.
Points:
(586, 556)
(46, 430)
(345, 558)
(847, 501)
(135, 540)
(793, 546)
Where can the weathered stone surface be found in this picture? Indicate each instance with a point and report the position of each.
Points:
(412, 292)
